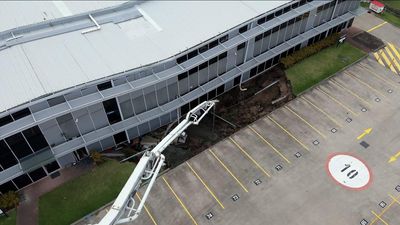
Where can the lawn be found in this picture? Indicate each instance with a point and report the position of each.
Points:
(10, 220)
(392, 3)
(387, 16)
(315, 68)
(83, 195)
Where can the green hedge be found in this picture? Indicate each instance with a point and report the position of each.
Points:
(303, 53)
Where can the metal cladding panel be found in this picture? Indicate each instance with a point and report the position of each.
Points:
(67, 147)
(234, 41)
(85, 100)
(118, 90)
(11, 128)
(150, 114)
(39, 158)
(58, 109)
(10, 173)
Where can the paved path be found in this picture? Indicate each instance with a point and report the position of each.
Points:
(27, 213)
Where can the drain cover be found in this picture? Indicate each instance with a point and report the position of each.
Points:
(397, 188)
(390, 91)
(377, 99)
(209, 215)
(257, 182)
(348, 119)
(364, 144)
(316, 142)
(298, 154)
(278, 167)
(364, 222)
(382, 204)
(333, 130)
(235, 197)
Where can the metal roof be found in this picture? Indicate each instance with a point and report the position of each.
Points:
(46, 65)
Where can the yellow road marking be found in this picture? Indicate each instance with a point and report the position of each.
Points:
(280, 126)
(270, 145)
(249, 156)
(383, 212)
(339, 84)
(338, 102)
(393, 58)
(378, 76)
(377, 216)
(378, 58)
(376, 27)
(180, 201)
(205, 185)
(301, 118)
(388, 62)
(230, 173)
(394, 50)
(365, 84)
(147, 210)
(394, 199)
(322, 111)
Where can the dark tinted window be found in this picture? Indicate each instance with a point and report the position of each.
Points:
(203, 48)
(22, 181)
(35, 138)
(7, 159)
(261, 21)
(253, 72)
(259, 37)
(270, 17)
(203, 98)
(5, 120)
(275, 29)
(20, 114)
(241, 46)
(243, 29)
(279, 12)
(193, 70)
(112, 111)
(203, 66)
(181, 59)
(8, 186)
(222, 55)
(192, 54)
(212, 94)
(182, 76)
(213, 60)
(220, 89)
(213, 44)
(286, 9)
(185, 109)
(19, 146)
(120, 138)
(223, 39)
(37, 174)
(236, 81)
(194, 103)
(104, 85)
(51, 167)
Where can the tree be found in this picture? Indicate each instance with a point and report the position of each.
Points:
(97, 157)
(9, 200)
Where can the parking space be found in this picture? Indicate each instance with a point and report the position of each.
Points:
(277, 169)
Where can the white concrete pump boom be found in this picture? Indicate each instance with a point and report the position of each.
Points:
(123, 210)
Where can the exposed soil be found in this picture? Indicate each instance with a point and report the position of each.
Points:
(258, 97)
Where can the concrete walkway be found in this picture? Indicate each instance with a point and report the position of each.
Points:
(28, 210)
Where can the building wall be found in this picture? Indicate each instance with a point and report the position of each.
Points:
(58, 131)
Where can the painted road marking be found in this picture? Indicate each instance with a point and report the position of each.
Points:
(383, 212)
(366, 131)
(322, 111)
(269, 144)
(349, 171)
(378, 58)
(301, 118)
(365, 84)
(378, 76)
(249, 156)
(205, 185)
(337, 101)
(394, 199)
(341, 85)
(230, 172)
(376, 27)
(389, 64)
(147, 210)
(180, 201)
(394, 157)
(394, 50)
(291, 135)
(377, 216)
(393, 58)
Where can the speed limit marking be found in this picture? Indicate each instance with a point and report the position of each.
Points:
(349, 171)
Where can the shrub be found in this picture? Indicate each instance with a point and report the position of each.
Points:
(9, 200)
(97, 157)
(303, 53)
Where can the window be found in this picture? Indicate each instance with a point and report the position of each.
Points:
(192, 71)
(6, 120)
(213, 60)
(182, 76)
(241, 46)
(261, 21)
(212, 94)
(220, 89)
(104, 86)
(283, 25)
(260, 68)
(20, 114)
(203, 48)
(278, 13)
(213, 44)
(37, 174)
(203, 66)
(8, 186)
(112, 111)
(319, 9)
(18, 145)
(253, 72)
(291, 22)
(268, 64)
(243, 29)
(298, 18)
(275, 29)
(295, 5)
(192, 54)
(258, 37)
(270, 17)
(203, 98)
(350, 23)
(236, 81)
(275, 60)
(194, 103)
(223, 39)
(22, 181)
(286, 9)
(185, 109)
(266, 33)
(302, 2)
(35, 138)
(222, 55)
(120, 138)
(51, 167)
(7, 159)
(181, 59)
(297, 47)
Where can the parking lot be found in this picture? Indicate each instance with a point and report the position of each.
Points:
(274, 171)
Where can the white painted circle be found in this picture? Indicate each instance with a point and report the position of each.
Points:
(349, 171)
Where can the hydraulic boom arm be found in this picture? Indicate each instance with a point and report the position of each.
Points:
(123, 210)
